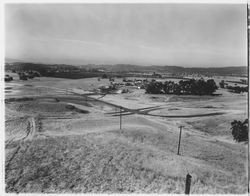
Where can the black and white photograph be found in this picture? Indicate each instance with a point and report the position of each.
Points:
(125, 97)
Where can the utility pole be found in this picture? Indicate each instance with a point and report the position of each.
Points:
(248, 62)
(248, 45)
(120, 117)
(178, 153)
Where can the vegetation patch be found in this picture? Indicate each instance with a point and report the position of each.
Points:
(170, 109)
(19, 99)
(233, 89)
(184, 87)
(71, 107)
(240, 130)
(209, 106)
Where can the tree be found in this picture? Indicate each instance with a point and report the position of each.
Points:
(222, 84)
(211, 86)
(168, 87)
(240, 130)
(154, 88)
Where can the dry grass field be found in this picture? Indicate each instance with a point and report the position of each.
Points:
(59, 142)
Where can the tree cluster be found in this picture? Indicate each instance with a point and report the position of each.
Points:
(237, 89)
(184, 87)
(233, 89)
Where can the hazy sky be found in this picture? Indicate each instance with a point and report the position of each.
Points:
(145, 34)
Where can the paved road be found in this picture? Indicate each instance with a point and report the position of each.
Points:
(124, 110)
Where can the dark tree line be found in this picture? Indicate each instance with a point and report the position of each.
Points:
(233, 89)
(184, 87)
(237, 89)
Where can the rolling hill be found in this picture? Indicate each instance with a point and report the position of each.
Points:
(125, 68)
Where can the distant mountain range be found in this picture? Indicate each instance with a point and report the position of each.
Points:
(124, 68)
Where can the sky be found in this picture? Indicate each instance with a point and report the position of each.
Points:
(189, 35)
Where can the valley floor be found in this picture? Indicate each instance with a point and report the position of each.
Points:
(59, 142)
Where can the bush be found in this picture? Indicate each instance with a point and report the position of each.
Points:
(240, 130)
(104, 76)
(70, 107)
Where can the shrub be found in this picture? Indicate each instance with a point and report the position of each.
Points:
(70, 107)
(240, 130)
(104, 76)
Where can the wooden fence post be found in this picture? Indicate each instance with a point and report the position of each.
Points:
(188, 184)
(120, 117)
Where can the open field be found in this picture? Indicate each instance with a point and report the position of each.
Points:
(60, 142)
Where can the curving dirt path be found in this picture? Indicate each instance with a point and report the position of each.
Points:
(30, 132)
